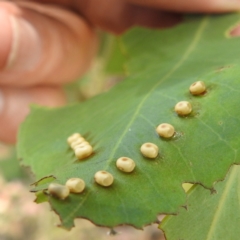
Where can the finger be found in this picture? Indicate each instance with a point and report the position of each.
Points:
(198, 6)
(49, 45)
(14, 107)
(147, 17)
(5, 37)
(118, 15)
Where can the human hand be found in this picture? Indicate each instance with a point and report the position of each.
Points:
(44, 46)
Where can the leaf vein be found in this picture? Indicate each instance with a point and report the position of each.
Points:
(220, 207)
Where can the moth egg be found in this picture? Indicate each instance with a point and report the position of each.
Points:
(75, 185)
(83, 151)
(183, 108)
(125, 164)
(104, 178)
(149, 150)
(77, 142)
(73, 138)
(58, 190)
(197, 88)
(165, 130)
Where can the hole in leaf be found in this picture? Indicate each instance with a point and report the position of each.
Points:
(187, 186)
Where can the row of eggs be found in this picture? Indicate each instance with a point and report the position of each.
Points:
(83, 149)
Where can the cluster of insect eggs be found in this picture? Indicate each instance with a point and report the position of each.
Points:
(83, 149)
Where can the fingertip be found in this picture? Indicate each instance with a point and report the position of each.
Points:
(14, 107)
(48, 45)
(47, 96)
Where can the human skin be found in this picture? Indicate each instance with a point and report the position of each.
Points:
(45, 44)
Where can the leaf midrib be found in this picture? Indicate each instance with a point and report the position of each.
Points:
(189, 50)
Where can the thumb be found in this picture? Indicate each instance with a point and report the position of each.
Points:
(43, 44)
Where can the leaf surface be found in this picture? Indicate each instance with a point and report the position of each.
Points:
(209, 216)
(161, 67)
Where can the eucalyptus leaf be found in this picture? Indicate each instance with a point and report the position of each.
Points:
(162, 64)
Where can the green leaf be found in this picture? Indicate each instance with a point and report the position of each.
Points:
(208, 216)
(41, 197)
(162, 65)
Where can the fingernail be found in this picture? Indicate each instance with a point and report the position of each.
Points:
(5, 38)
(26, 46)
